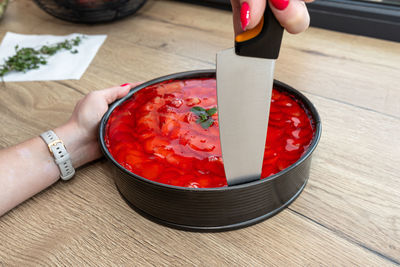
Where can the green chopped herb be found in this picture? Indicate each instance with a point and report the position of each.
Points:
(205, 119)
(29, 58)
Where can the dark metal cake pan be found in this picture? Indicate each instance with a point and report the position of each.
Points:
(213, 209)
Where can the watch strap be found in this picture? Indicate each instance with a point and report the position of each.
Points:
(60, 153)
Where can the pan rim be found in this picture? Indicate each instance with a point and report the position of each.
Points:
(203, 74)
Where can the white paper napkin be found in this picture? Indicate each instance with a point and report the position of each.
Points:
(61, 66)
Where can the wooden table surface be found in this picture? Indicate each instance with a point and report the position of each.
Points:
(348, 214)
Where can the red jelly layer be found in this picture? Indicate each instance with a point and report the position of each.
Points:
(155, 135)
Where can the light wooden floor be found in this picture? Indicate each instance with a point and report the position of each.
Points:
(348, 214)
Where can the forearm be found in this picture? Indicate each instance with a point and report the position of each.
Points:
(29, 167)
(25, 169)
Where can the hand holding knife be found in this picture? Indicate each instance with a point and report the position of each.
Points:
(244, 86)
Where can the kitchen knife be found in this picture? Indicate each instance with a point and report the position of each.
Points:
(244, 87)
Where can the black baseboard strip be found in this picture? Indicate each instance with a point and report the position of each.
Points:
(361, 18)
(368, 19)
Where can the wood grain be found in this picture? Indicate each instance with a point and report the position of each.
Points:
(85, 222)
(357, 192)
(349, 213)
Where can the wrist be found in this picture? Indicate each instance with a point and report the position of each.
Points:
(81, 146)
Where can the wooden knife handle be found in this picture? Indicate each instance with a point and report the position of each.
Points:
(263, 41)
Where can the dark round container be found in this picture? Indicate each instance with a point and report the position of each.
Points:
(213, 209)
(90, 11)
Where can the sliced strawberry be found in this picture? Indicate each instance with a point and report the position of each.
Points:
(173, 87)
(169, 174)
(268, 170)
(294, 110)
(282, 164)
(276, 116)
(275, 95)
(216, 123)
(157, 100)
(269, 153)
(296, 122)
(285, 102)
(166, 109)
(292, 145)
(274, 108)
(192, 83)
(274, 134)
(146, 134)
(123, 137)
(164, 180)
(184, 163)
(200, 182)
(127, 166)
(219, 182)
(277, 123)
(270, 160)
(162, 151)
(209, 102)
(209, 84)
(184, 138)
(147, 122)
(193, 184)
(120, 149)
(168, 124)
(119, 126)
(301, 133)
(201, 143)
(210, 165)
(176, 102)
(169, 168)
(152, 143)
(175, 132)
(134, 156)
(176, 182)
(151, 170)
(148, 107)
(186, 178)
(190, 118)
(192, 101)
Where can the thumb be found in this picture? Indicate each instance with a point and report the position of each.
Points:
(114, 93)
(291, 14)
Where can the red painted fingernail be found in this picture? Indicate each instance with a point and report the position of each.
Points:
(280, 4)
(244, 15)
(125, 84)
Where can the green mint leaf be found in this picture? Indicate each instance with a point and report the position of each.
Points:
(198, 110)
(211, 111)
(207, 123)
(204, 116)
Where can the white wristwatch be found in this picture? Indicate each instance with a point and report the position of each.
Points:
(61, 156)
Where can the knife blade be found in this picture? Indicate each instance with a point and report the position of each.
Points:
(244, 86)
